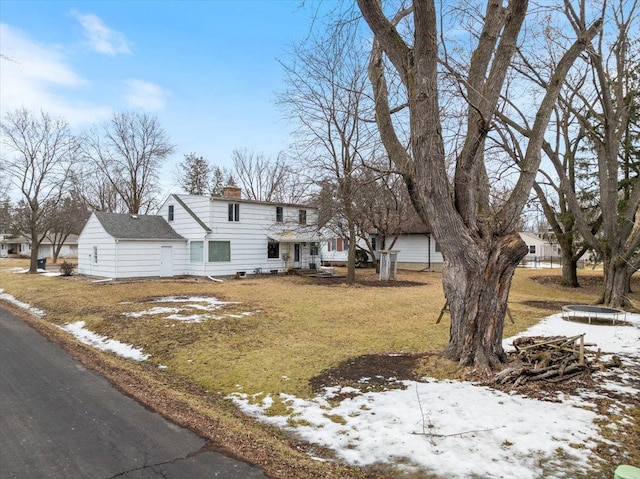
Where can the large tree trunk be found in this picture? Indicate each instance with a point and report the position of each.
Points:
(569, 270)
(477, 289)
(616, 284)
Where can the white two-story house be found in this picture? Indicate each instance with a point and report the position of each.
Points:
(205, 236)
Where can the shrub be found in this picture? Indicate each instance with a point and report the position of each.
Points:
(66, 268)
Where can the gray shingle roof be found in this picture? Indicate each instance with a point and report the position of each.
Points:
(137, 227)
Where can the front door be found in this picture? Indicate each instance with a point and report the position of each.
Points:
(296, 255)
(166, 261)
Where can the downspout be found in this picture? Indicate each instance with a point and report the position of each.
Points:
(116, 269)
(204, 258)
(429, 250)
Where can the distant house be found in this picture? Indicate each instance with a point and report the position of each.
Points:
(540, 249)
(201, 236)
(69, 248)
(14, 246)
(417, 250)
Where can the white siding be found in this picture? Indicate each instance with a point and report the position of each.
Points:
(124, 259)
(67, 251)
(94, 236)
(248, 237)
(142, 258)
(415, 251)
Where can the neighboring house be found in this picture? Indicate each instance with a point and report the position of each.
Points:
(334, 251)
(69, 248)
(201, 236)
(124, 246)
(539, 249)
(14, 246)
(417, 250)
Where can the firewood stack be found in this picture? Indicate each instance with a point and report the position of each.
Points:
(550, 359)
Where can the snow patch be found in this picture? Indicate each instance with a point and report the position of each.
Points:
(456, 428)
(27, 307)
(103, 343)
(192, 309)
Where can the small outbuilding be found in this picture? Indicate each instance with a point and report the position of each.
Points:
(115, 245)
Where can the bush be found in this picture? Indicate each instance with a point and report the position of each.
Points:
(66, 268)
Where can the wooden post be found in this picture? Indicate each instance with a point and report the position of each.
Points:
(442, 311)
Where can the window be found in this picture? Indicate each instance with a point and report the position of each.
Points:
(302, 217)
(314, 249)
(234, 211)
(170, 215)
(338, 244)
(219, 251)
(532, 249)
(273, 250)
(374, 245)
(279, 214)
(196, 250)
(95, 255)
(438, 249)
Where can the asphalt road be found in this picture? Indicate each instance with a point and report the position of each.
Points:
(60, 420)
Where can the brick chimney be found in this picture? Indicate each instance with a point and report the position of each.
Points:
(232, 191)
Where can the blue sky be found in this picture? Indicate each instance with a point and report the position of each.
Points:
(207, 69)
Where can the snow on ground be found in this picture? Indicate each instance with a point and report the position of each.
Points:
(10, 299)
(41, 271)
(456, 428)
(104, 343)
(192, 309)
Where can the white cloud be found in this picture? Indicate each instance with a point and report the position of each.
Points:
(36, 76)
(145, 95)
(100, 37)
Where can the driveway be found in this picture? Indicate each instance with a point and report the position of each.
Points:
(60, 420)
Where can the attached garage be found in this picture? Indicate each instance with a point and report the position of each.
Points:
(128, 246)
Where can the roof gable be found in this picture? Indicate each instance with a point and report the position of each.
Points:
(136, 227)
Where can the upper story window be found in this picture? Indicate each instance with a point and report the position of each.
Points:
(302, 217)
(279, 214)
(234, 211)
(170, 214)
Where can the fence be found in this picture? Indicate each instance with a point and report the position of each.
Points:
(548, 262)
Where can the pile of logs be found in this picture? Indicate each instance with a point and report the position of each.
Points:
(550, 359)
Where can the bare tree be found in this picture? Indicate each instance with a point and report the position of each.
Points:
(128, 151)
(480, 244)
(563, 147)
(96, 191)
(195, 174)
(599, 109)
(327, 98)
(69, 217)
(6, 214)
(42, 153)
(607, 121)
(268, 179)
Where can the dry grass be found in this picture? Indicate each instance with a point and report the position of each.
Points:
(298, 328)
